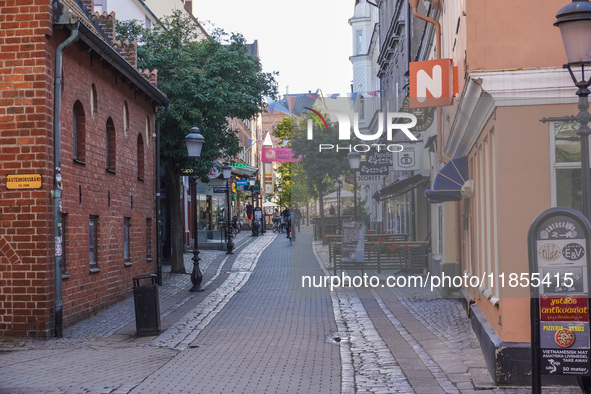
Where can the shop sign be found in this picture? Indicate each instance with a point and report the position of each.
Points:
(366, 180)
(353, 242)
(558, 244)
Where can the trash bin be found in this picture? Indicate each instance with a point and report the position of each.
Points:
(147, 305)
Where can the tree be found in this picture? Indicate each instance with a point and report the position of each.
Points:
(206, 82)
(320, 169)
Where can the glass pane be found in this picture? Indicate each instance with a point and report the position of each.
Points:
(568, 188)
(567, 144)
(91, 242)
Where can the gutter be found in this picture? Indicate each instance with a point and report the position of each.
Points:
(57, 177)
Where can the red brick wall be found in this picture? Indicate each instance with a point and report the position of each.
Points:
(26, 146)
(26, 286)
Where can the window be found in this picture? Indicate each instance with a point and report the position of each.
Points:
(147, 23)
(110, 146)
(148, 131)
(359, 43)
(149, 238)
(125, 118)
(127, 240)
(93, 241)
(140, 157)
(78, 132)
(566, 157)
(93, 100)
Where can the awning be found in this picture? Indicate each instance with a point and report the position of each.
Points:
(448, 183)
(246, 171)
(401, 186)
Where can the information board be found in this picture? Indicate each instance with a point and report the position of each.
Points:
(558, 244)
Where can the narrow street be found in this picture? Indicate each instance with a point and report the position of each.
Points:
(256, 330)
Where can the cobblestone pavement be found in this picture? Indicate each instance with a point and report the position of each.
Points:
(257, 329)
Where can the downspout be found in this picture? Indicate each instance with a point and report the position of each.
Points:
(159, 197)
(57, 178)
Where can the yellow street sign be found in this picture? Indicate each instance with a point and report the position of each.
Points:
(23, 181)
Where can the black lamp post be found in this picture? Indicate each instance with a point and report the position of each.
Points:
(227, 172)
(354, 163)
(252, 182)
(574, 21)
(338, 186)
(194, 141)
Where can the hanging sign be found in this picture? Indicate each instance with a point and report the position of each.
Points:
(559, 257)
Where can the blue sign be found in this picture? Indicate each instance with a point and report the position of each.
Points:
(241, 182)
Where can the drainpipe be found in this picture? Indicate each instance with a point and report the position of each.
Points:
(158, 198)
(57, 178)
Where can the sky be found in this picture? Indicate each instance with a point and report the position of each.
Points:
(308, 42)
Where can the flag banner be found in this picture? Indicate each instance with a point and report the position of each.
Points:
(278, 154)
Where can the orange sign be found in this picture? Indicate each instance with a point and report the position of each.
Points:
(432, 83)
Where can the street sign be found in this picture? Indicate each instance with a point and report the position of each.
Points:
(558, 248)
(24, 181)
(241, 182)
(220, 189)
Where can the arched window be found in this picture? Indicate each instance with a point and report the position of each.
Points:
(93, 100)
(78, 132)
(126, 118)
(110, 146)
(148, 130)
(140, 157)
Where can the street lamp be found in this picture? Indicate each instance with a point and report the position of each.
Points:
(227, 172)
(337, 184)
(252, 182)
(194, 141)
(354, 163)
(574, 21)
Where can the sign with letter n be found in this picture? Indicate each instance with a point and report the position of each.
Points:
(432, 83)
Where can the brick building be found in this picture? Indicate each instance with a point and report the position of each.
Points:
(89, 137)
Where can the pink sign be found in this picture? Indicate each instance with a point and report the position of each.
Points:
(278, 154)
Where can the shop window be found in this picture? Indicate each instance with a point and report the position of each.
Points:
(78, 132)
(110, 146)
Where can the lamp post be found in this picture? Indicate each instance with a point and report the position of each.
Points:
(252, 182)
(194, 141)
(338, 186)
(227, 172)
(574, 21)
(354, 163)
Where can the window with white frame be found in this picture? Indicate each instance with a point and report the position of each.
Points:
(566, 162)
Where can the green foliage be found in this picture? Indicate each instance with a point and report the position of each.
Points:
(319, 169)
(207, 81)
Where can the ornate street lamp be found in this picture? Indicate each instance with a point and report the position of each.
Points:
(354, 163)
(194, 141)
(574, 21)
(227, 172)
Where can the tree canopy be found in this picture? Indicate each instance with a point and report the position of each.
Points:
(207, 81)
